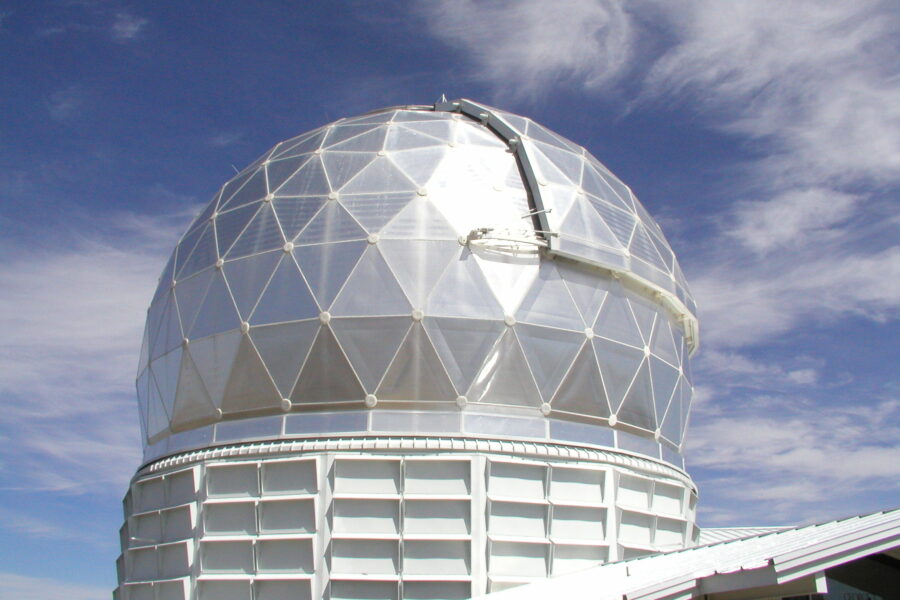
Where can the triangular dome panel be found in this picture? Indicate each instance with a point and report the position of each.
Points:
(192, 403)
(279, 171)
(341, 167)
(254, 189)
(370, 343)
(326, 267)
(637, 407)
(462, 345)
(371, 274)
(295, 213)
(261, 234)
(664, 379)
(616, 321)
(505, 377)
(381, 175)
(217, 313)
(214, 358)
(418, 264)
(283, 349)
(550, 353)
(587, 294)
(203, 255)
(327, 376)
(581, 392)
(416, 373)
(249, 388)
(331, 224)
(549, 303)
(618, 365)
(367, 141)
(247, 278)
(229, 225)
(308, 180)
(419, 220)
(463, 292)
(419, 164)
(286, 298)
(373, 211)
(645, 316)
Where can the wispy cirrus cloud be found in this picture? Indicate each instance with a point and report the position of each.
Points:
(66, 103)
(106, 19)
(127, 27)
(521, 46)
(792, 460)
(72, 313)
(806, 232)
(816, 81)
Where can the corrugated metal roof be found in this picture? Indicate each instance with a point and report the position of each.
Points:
(714, 535)
(786, 555)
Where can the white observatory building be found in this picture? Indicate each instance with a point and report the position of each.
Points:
(427, 352)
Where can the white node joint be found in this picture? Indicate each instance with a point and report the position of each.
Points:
(245, 327)
(646, 350)
(509, 320)
(417, 315)
(185, 342)
(371, 400)
(422, 192)
(286, 404)
(333, 196)
(288, 246)
(373, 238)
(381, 153)
(545, 409)
(218, 414)
(213, 216)
(589, 333)
(269, 198)
(325, 317)
(461, 401)
(219, 263)
(613, 420)
(463, 240)
(657, 435)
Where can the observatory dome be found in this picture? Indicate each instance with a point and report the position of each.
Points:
(449, 268)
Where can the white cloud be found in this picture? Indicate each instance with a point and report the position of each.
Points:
(803, 461)
(225, 138)
(65, 103)
(791, 219)
(72, 315)
(749, 302)
(523, 45)
(818, 80)
(805, 234)
(127, 27)
(19, 587)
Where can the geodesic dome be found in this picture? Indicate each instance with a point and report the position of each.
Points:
(453, 259)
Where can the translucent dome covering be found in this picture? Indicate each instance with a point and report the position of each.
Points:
(400, 260)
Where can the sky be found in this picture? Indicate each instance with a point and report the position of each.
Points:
(763, 136)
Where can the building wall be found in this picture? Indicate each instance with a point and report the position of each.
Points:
(390, 518)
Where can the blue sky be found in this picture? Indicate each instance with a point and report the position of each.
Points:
(764, 137)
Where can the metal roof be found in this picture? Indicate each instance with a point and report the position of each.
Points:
(769, 560)
(712, 535)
